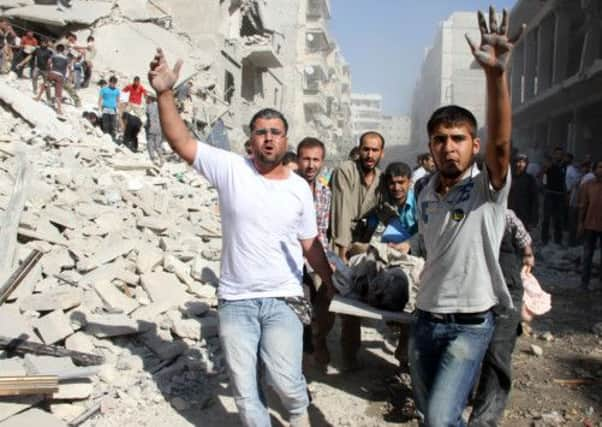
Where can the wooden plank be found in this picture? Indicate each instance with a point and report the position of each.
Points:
(356, 308)
(28, 385)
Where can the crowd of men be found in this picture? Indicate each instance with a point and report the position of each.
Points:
(63, 66)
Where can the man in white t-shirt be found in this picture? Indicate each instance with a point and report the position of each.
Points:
(269, 226)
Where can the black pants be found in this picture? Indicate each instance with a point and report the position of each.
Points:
(130, 133)
(553, 211)
(496, 372)
(109, 124)
(591, 239)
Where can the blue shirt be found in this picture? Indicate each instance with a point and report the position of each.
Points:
(110, 96)
(404, 226)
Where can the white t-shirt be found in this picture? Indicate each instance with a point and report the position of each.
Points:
(262, 223)
(417, 174)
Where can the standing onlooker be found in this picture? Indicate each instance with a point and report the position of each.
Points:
(40, 61)
(495, 382)
(461, 220)
(136, 92)
(524, 194)
(90, 54)
(354, 186)
(107, 104)
(554, 198)
(574, 174)
(57, 73)
(152, 127)
(590, 221)
(426, 166)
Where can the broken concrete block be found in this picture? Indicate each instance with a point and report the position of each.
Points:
(55, 261)
(162, 344)
(78, 386)
(81, 342)
(114, 298)
(15, 325)
(150, 313)
(111, 249)
(110, 325)
(156, 224)
(195, 328)
(12, 367)
(194, 308)
(173, 265)
(66, 411)
(34, 417)
(10, 406)
(53, 327)
(62, 217)
(148, 259)
(164, 287)
(58, 298)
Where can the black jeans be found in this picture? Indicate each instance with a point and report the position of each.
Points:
(553, 210)
(109, 124)
(496, 372)
(591, 240)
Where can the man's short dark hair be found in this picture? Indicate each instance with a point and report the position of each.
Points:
(354, 152)
(372, 133)
(113, 79)
(452, 115)
(136, 78)
(289, 157)
(268, 113)
(595, 164)
(60, 48)
(397, 169)
(310, 142)
(90, 38)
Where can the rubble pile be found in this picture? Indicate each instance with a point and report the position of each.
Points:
(128, 272)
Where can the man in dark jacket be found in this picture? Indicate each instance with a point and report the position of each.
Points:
(523, 198)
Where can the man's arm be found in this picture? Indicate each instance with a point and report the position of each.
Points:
(493, 55)
(314, 253)
(340, 214)
(162, 79)
(583, 206)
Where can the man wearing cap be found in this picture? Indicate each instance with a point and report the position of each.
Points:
(523, 197)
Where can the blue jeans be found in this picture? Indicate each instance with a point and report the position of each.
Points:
(444, 363)
(262, 339)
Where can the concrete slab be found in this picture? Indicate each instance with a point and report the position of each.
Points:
(59, 298)
(53, 327)
(164, 287)
(140, 10)
(110, 325)
(80, 12)
(115, 52)
(15, 325)
(81, 342)
(114, 298)
(34, 417)
(37, 114)
(8, 4)
(148, 259)
(10, 406)
(109, 250)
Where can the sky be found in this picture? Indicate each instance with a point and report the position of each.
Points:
(384, 42)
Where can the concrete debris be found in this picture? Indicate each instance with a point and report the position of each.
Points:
(110, 325)
(59, 298)
(34, 417)
(79, 12)
(53, 327)
(536, 350)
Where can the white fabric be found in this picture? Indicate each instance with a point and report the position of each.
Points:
(262, 223)
(417, 174)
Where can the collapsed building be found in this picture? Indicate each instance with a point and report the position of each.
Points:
(240, 55)
(556, 77)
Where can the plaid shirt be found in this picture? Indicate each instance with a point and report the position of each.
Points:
(520, 235)
(322, 196)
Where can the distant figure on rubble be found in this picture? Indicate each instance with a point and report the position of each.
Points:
(495, 381)
(107, 105)
(590, 222)
(39, 63)
(136, 92)
(524, 194)
(152, 127)
(461, 219)
(57, 75)
(354, 187)
(271, 226)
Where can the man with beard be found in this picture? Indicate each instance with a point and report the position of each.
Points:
(461, 217)
(524, 195)
(269, 227)
(354, 186)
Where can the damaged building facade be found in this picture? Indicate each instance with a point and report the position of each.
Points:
(448, 76)
(240, 55)
(556, 77)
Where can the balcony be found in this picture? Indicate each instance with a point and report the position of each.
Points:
(313, 97)
(315, 67)
(263, 51)
(318, 9)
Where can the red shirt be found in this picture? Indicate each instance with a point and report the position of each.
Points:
(136, 93)
(29, 41)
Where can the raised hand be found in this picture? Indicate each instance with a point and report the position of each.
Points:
(495, 48)
(160, 76)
